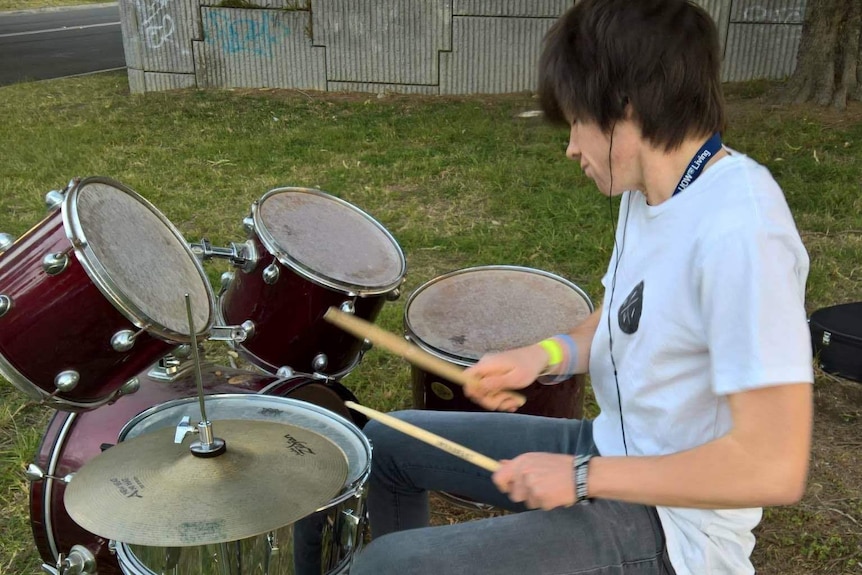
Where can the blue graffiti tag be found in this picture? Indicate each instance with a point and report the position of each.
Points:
(251, 35)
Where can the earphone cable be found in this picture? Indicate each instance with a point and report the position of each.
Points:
(618, 249)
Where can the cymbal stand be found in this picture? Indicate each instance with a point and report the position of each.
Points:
(207, 445)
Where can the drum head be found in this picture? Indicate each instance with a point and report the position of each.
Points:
(137, 258)
(468, 313)
(329, 240)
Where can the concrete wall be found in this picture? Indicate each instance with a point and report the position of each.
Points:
(406, 46)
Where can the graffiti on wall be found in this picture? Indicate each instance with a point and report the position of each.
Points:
(157, 25)
(257, 35)
(770, 15)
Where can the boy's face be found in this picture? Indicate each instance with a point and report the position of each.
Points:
(589, 145)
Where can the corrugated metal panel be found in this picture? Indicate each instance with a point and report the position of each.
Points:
(492, 55)
(133, 47)
(768, 11)
(393, 42)
(156, 81)
(157, 35)
(760, 51)
(531, 8)
(258, 49)
(720, 12)
(137, 85)
(382, 88)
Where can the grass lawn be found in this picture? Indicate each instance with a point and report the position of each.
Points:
(458, 182)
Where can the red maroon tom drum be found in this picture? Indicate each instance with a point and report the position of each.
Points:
(313, 251)
(93, 294)
(465, 314)
(72, 439)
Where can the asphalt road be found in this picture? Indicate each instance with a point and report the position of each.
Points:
(37, 45)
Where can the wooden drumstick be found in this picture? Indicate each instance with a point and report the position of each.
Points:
(401, 347)
(432, 439)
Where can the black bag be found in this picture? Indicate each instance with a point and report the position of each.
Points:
(836, 333)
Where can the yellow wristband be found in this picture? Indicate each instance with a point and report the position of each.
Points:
(554, 350)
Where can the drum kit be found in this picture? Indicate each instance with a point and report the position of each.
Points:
(157, 463)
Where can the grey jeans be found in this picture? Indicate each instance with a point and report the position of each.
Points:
(603, 537)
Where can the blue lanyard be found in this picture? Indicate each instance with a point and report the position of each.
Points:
(695, 166)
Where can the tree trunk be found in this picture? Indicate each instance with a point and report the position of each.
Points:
(829, 62)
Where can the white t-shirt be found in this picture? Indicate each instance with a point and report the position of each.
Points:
(709, 301)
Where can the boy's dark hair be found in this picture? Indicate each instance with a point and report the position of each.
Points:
(660, 56)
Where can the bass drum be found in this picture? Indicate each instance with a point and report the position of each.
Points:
(71, 439)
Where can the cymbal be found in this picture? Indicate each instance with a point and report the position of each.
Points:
(150, 491)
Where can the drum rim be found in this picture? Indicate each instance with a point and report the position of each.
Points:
(271, 245)
(24, 385)
(102, 278)
(131, 564)
(412, 335)
(48, 485)
(350, 489)
(127, 560)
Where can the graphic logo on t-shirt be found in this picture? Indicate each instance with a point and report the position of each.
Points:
(630, 311)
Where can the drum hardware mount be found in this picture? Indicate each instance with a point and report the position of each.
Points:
(124, 340)
(67, 380)
(56, 263)
(225, 281)
(350, 531)
(393, 295)
(232, 333)
(183, 351)
(287, 372)
(35, 473)
(80, 561)
(243, 256)
(353, 520)
(319, 362)
(128, 388)
(54, 198)
(271, 273)
(207, 445)
(363, 349)
(5, 304)
(272, 543)
(348, 306)
(284, 372)
(6, 241)
(272, 550)
(172, 365)
(248, 225)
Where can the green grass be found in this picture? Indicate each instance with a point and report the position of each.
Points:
(458, 182)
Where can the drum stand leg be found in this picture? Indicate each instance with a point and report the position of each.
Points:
(231, 558)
